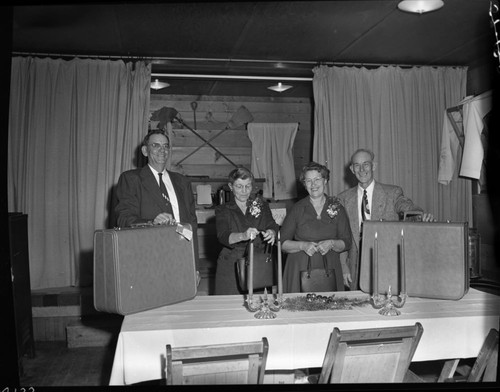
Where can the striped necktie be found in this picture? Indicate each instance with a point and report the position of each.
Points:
(364, 206)
(163, 188)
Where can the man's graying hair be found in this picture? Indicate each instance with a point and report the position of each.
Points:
(370, 152)
(145, 141)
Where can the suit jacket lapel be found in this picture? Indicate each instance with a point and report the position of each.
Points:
(378, 201)
(149, 182)
(175, 184)
(352, 211)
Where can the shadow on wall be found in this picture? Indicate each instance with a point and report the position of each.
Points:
(349, 178)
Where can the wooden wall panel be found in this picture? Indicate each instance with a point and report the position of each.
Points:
(212, 115)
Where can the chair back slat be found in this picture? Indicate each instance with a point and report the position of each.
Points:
(372, 355)
(487, 359)
(236, 363)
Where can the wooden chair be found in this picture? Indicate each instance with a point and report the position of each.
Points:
(235, 363)
(484, 369)
(374, 355)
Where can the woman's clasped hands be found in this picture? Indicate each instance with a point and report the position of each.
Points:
(268, 235)
(323, 247)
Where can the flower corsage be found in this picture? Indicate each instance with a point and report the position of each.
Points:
(255, 207)
(333, 207)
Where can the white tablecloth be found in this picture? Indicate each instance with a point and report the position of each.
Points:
(452, 329)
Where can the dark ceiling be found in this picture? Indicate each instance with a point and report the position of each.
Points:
(259, 38)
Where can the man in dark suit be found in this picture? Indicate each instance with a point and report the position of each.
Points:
(370, 200)
(139, 193)
(144, 196)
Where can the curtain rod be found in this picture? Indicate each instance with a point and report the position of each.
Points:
(236, 77)
(230, 60)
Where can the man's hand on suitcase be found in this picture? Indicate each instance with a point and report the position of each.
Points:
(164, 219)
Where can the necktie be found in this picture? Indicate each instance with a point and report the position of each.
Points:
(164, 193)
(364, 206)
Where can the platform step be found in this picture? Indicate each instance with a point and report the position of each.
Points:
(92, 333)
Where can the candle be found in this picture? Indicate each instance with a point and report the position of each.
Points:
(280, 268)
(250, 270)
(375, 265)
(403, 266)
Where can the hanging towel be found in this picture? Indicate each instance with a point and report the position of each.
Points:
(272, 158)
(474, 112)
(449, 151)
(204, 194)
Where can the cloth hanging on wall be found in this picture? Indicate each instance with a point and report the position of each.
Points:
(473, 112)
(272, 158)
(449, 152)
(74, 127)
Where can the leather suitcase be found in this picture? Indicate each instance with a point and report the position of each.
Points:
(142, 268)
(436, 258)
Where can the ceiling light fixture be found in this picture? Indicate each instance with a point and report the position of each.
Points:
(420, 6)
(280, 87)
(157, 85)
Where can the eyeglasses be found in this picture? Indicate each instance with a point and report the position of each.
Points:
(365, 165)
(311, 181)
(157, 146)
(241, 187)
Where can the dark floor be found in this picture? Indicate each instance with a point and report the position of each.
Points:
(57, 365)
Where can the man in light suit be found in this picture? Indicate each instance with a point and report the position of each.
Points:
(382, 201)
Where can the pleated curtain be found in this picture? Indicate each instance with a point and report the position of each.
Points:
(397, 113)
(74, 126)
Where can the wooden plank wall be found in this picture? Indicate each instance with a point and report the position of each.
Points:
(212, 115)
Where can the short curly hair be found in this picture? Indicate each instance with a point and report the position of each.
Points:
(321, 169)
(240, 173)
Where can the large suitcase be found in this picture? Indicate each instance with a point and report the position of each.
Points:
(142, 268)
(436, 258)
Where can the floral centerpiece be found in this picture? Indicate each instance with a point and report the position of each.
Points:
(313, 302)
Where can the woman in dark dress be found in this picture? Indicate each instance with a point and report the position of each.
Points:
(315, 226)
(244, 218)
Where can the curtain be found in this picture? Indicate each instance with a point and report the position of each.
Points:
(398, 114)
(74, 126)
(272, 158)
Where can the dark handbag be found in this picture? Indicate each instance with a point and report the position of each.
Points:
(317, 280)
(263, 268)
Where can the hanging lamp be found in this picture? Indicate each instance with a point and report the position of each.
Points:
(280, 87)
(420, 6)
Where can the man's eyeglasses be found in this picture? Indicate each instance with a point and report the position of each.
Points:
(365, 165)
(241, 187)
(311, 181)
(157, 146)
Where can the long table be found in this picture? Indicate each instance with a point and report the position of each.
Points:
(452, 329)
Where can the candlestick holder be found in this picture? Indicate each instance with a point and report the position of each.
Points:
(388, 304)
(263, 307)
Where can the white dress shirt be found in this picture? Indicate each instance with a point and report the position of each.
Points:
(170, 189)
(369, 194)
